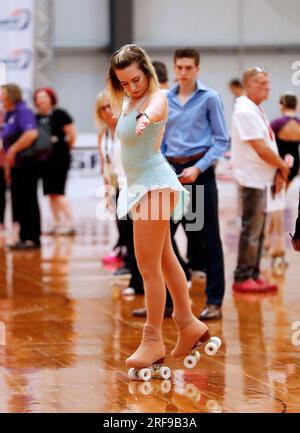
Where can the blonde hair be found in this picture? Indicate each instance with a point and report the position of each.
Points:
(122, 58)
(252, 73)
(100, 124)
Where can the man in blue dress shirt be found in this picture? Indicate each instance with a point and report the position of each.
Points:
(195, 139)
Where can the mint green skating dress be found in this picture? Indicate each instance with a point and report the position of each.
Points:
(145, 167)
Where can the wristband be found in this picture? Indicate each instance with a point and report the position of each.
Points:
(142, 113)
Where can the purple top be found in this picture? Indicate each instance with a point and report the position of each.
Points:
(16, 122)
(279, 123)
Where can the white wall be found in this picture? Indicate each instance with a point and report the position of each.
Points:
(81, 23)
(78, 80)
(178, 22)
(170, 23)
(216, 22)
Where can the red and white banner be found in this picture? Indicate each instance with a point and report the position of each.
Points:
(17, 44)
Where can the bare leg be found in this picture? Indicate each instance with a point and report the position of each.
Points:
(190, 329)
(65, 209)
(278, 248)
(54, 204)
(149, 239)
(268, 232)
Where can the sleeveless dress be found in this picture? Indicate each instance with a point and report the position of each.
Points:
(146, 169)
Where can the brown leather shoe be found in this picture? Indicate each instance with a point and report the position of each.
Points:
(141, 312)
(211, 312)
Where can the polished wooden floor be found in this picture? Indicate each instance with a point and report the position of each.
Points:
(68, 332)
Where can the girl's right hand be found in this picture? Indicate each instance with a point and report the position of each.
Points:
(142, 123)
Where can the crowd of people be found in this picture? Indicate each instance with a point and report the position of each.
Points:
(194, 137)
(34, 145)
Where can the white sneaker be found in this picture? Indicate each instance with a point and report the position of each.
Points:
(129, 291)
(66, 231)
(199, 274)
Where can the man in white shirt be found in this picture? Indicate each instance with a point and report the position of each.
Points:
(256, 164)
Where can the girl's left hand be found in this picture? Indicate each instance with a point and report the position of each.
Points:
(142, 123)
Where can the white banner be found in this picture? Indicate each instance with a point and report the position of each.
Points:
(17, 44)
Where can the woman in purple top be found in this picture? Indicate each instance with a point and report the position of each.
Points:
(287, 133)
(19, 131)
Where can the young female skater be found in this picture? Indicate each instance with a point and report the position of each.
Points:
(152, 188)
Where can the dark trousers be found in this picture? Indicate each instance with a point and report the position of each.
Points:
(205, 246)
(252, 234)
(24, 197)
(136, 281)
(121, 229)
(2, 195)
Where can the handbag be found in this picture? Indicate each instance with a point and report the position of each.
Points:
(42, 146)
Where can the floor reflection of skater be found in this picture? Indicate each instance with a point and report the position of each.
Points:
(153, 195)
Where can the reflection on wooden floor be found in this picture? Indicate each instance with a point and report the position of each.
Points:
(68, 333)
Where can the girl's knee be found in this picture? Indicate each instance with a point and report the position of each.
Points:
(149, 270)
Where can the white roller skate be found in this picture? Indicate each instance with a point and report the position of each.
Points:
(154, 371)
(212, 346)
(279, 265)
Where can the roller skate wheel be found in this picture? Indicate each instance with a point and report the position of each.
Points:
(197, 355)
(217, 340)
(145, 374)
(211, 348)
(165, 372)
(190, 361)
(213, 406)
(190, 390)
(165, 386)
(145, 388)
(279, 265)
(132, 374)
(132, 388)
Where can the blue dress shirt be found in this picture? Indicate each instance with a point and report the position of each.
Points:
(195, 127)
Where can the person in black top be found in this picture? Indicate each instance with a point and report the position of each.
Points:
(57, 165)
(287, 132)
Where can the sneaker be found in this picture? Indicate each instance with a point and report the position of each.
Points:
(141, 312)
(111, 260)
(268, 287)
(65, 231)
(51, 232)
(122, 272)
(128, 291)
(24, 245)
(199, 274)
(211, 312)
(249, 285)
